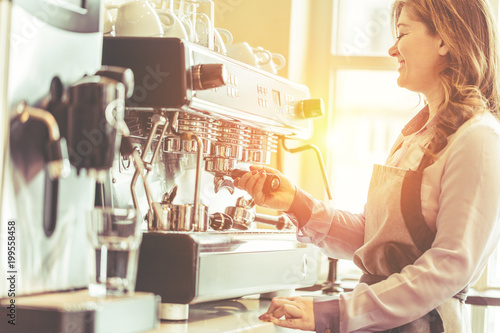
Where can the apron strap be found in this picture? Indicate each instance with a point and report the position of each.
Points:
(411, 209)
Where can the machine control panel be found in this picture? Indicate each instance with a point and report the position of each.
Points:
(257, 96)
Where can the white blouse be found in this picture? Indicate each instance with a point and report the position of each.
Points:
(460, 202)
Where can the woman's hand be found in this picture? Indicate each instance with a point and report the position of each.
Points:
(298, 313)
(253, 182)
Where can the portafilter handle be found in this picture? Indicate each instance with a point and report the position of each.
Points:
(271, 184)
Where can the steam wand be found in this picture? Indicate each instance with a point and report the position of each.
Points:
(127, 149)
(146, 166)
(331, 285)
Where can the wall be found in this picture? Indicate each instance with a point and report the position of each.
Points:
(258, 22)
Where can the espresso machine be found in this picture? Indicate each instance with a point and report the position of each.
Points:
(64, 112)
(196, 117)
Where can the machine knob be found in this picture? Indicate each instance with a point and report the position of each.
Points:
(208, 76)
(220, 221)
(310, 108)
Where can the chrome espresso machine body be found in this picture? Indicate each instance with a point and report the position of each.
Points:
(194, 117)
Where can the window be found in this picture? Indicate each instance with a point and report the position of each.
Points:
(368, 108)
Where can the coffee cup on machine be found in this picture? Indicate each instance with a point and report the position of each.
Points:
(245, 53)
(263, 56)
(108, 23)
(171, 24)
(219, 36)
(277, 62)
(136, 18)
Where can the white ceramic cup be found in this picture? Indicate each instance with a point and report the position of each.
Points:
(263, 56)
(219, 45)
(244, 53)
(171, 24)
(137, 18)
(277, 62)
(226, 34)
(186, 12)
(108, 25)
(198, 25)
(203, 30)
(222, 38)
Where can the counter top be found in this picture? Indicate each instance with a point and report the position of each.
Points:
(241, 315)
(237, 315)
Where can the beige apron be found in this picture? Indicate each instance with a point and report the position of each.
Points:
(396, 235)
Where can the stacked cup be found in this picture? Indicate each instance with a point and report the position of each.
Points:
(256, 56)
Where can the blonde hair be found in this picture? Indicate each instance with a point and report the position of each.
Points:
(470, 81)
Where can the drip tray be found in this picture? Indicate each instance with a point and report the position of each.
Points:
(77, 312)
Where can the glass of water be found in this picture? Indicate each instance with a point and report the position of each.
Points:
(115, 236)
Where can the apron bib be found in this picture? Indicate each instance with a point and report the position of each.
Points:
(396, 235)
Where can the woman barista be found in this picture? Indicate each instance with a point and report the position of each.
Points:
(432, 217)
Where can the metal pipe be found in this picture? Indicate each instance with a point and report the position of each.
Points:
(155, 153)
(190, 136)
(199, 162)
(139, 165)
(320, 160)
(331, 285)
(140, 169)
(157, 121)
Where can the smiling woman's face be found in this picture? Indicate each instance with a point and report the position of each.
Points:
(421, 56)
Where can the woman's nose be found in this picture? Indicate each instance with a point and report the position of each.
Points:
(393, 50)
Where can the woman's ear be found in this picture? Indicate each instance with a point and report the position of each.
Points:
(443, 48)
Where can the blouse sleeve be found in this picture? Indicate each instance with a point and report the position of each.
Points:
(337, 233)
